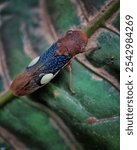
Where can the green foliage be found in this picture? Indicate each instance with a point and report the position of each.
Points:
(116, 22)
(92, 5)
(52, 118)
(63, 13)
(108, 55)
(14, 49)
(100, 100)
(1, 84)
(25, 124)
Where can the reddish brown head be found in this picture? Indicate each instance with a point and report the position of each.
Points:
(74, 42)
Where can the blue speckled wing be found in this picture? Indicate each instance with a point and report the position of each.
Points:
(49, 62)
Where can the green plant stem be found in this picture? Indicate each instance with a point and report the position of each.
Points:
(6, 97)
(102, 17)
(96, 23)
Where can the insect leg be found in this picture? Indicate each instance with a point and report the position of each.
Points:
(69, 67)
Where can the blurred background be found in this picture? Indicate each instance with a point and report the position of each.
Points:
(53, 118)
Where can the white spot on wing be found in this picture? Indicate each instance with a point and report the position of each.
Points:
(34, 61)
(46, 78)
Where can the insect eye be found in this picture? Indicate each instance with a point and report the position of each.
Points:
(46, 78)
(34, 61)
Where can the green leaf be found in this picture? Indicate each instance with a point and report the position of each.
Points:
(1, 84)
(108, 55)
(116, 22)
(32, 123)
(14, 49)
(63, 14)
(100, 101)
(52, 117)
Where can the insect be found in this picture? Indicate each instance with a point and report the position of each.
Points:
(46, 66)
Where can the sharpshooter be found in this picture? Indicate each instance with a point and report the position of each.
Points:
(46, 66)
